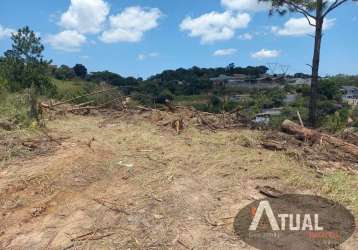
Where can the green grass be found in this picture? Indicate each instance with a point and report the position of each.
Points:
(190, 100)
(342, 187)
(71, 89)
(15, 107)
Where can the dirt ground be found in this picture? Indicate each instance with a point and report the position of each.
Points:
(126, 183)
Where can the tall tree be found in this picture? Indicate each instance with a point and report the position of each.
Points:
(315, 12)
(25, 67)
(80, 71)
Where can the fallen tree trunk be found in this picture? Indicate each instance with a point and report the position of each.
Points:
(315, 136)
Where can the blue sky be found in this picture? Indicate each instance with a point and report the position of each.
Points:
(141, 38)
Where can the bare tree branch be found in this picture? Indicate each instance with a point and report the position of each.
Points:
(334, 6)
(307, 17)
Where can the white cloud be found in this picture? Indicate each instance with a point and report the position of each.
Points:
(130, 25)
(246, 36)
(246, 5)
(300, 27)
(264, 53)
(225, 52)
(215, 26)
(68, 40)
(85, 16)
(5, 32)
(143, 57)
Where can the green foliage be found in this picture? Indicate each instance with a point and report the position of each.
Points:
(215, 104)
(166, 94)
(69, 89)
(80, 71)
(354, 115)
(300, 105)
(143, 99)
(342, 80)
(14, 107)
(23, 67)
(230, 106)
(276, 121)
(64, 73)
(201, 107)
(304, 90)
(187, 99)
(267, 99)
(336, 122)
(196, 73)
(329, 89)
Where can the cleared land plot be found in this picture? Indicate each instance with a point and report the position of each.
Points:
(126, 183)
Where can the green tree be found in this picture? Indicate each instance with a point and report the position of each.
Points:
(330, 90)
(315, 12)
(80, 71)
(64, 73)
(166, 94)
(25, 67)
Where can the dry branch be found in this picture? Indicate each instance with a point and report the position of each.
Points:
(111, 206)
(79, 97)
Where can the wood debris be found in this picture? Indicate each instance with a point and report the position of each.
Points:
(269, 191)
(317, 137)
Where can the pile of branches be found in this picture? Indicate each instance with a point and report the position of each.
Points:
(115, 100)
(317, 148)
(180, 117)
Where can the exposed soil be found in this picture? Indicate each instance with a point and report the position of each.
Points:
(126, 183)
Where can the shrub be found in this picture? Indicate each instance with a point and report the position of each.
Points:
(230, 106)
(15, 107)
(201, 107)
(165, 95)
(336, 122)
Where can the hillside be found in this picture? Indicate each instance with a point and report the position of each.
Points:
(124, 180)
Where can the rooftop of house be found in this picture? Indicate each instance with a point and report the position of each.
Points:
(350, 89)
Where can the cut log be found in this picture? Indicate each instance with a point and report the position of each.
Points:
(315, 136)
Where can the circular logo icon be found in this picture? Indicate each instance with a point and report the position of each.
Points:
(294, 222)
